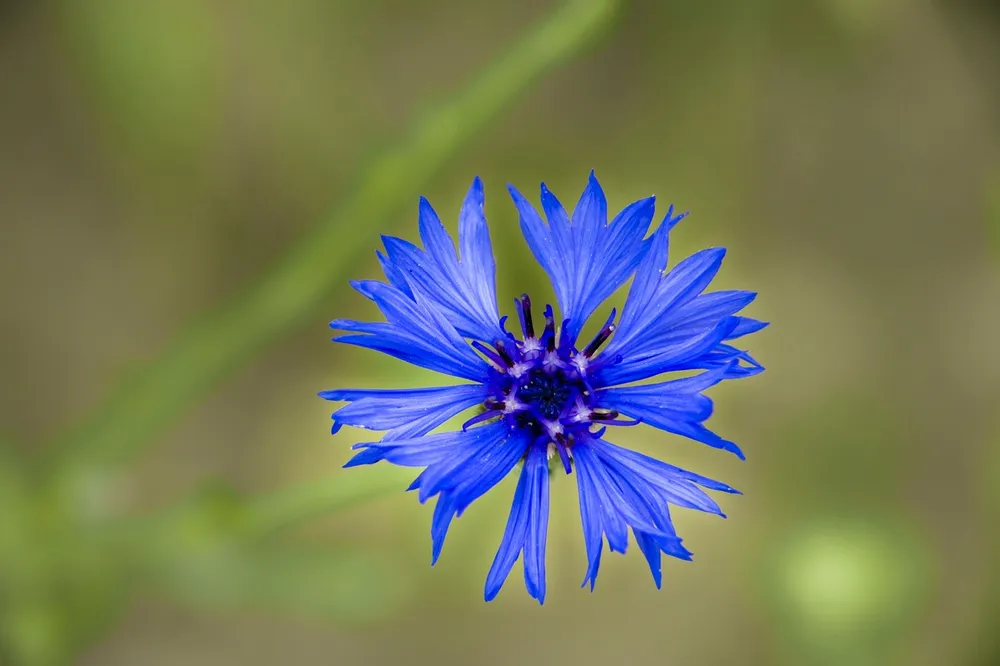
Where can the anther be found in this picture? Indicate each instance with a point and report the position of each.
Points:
(504, 354)
(601, 337)
(495, 360)
(562, 446)
(604, 415)
(494, 404)
(625, 422)
(524, 310)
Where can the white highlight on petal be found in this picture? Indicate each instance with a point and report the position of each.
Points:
(580, 412)
(511, 404)
(551, 361)
(520, 369)
(553, 428)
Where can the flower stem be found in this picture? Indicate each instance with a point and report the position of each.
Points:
(289, 294)
(266, 513)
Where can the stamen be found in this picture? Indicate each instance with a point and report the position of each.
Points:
(604, 415)
(625, 423)
(524, 313)
(494, 404)
(602, 336)
(491, 356)
(563, 448)
(504, 354)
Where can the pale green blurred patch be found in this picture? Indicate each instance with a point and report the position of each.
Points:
(157, 71)
(340, 585)
(849, 590)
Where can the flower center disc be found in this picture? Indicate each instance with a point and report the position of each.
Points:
(548, 395)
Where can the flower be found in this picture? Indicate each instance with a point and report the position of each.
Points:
(544, 398)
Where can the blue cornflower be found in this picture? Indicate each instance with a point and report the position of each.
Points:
(543, 397)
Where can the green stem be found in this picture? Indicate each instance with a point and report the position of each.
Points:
(301, 502)
(229, 336)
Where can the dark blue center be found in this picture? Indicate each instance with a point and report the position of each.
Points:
(548, 394)
(540, 382)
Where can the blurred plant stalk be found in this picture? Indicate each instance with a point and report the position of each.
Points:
(71, 553)
(227, 337)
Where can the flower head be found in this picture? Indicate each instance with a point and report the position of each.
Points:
(546, 398)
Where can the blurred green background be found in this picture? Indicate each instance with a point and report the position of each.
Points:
(163, 168)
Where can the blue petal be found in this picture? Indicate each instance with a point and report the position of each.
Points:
(656, 512)
(671, 487)
(405, 413)
(514, 537)
(538, 527)
(694, 318)
(747, 326)
(526, 528)
(393, 274)
(653, 294)
(737, 362)
(586, 258)
(477, 253)
(414, 333)
(460, 467)
(437, 449)
(473, 480)
(605, 499)
(643, 362)
(668, 325)
(590, 515)
(656, 472)
(463, 291)
(675, 406)
(614, 499)
(444, 511)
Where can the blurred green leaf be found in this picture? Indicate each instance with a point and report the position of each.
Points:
(293, 290)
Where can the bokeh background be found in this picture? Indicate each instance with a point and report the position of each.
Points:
(158, 157)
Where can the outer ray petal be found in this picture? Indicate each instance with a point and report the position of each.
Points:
(526, 528)
(414, 333)
(462, 290)
(614, 498)
(586, 258)
(676, 406)
(405, 413)
(460, 467)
